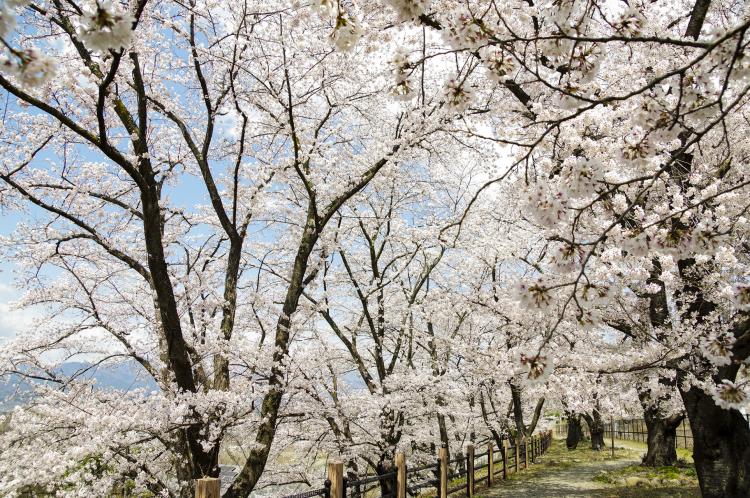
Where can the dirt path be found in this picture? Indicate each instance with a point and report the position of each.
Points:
(571, 474)
(572, 481)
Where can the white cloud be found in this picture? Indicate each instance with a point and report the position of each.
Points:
(13, 320)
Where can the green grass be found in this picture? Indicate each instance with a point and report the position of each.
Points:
(680, 471)
(682, 453)
(682, 474)
(641, 492)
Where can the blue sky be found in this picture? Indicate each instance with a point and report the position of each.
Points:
(10, 321)
(189, 193)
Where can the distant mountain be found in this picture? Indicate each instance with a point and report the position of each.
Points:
(13, 392)
(123, 376)
(16, 389)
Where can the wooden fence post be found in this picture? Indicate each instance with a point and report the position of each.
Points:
(443, 459)
(641, 431)
(529, 450)
(400, 475)
(470, 471)
(518, 452)
(526, 451)
(684, 433)
(208, 487)
(490, 465)
(505, 459)
(336, 476)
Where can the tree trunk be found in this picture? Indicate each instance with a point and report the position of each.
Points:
(721, 438)
(662, 430)
(597, 439)
(269, 410)
(596, 428)
(352, 472)
(523, 430)
(443, 429)
(495, 434)
(721, 446)
(387, 485)
(515, 392)
(662, 435)
(575, 432)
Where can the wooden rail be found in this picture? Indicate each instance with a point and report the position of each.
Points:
(634, 429)
(511, 456)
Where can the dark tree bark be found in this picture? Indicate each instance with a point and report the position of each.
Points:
(597, 440)
(596, 428)
(522, 429)
(387, 487)
(352, 471)
(535, 419)
(721, 437)
(662, 431)
(721, 446)
(697, 16)
(662, 434)
(497, 436)
(575, 431)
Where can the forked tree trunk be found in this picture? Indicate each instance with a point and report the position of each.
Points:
(721, 446)
(661, 429)
(575, 432)
(662, 435)
(596, 428)
(523, 430)
(496, 436)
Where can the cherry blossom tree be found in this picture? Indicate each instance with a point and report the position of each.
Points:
(384, 300)
(153, 107)
(627, 132)
(419, 194)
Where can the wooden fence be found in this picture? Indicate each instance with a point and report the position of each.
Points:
(443, 478)
(632, 430)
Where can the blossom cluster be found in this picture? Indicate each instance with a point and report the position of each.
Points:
(105, 25)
